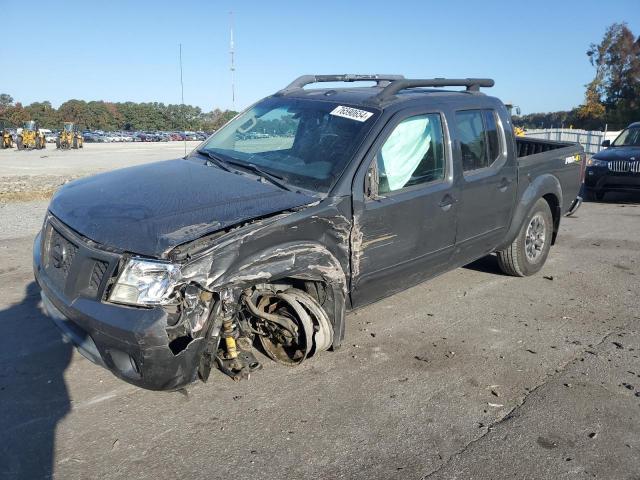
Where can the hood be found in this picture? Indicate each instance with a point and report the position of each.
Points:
(618, 153)
(152, 208)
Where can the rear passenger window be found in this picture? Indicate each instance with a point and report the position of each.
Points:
(479, 138)
(412, 154)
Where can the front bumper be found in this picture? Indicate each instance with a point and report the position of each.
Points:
(130, 342)
(601, 179)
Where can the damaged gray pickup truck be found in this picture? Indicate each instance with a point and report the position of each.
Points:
(308, 204)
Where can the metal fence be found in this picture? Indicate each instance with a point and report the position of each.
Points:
(591, 141)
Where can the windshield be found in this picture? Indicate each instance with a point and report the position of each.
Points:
(307, 143)
(68, 127)
(628, 137)
(30, 125)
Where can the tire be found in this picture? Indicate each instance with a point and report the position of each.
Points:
(38, 143)
(75, 143)
(19, 143)
(528, 252)
(58, 143)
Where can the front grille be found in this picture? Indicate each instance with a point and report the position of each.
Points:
(73, 264)
(97, 274)
(60, 254)
(624, 166)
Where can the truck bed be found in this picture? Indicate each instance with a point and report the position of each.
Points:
(538, 157)
(532, 146)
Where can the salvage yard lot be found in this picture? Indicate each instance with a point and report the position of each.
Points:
(472, 375)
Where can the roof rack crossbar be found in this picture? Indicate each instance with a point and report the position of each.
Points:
(300, 82)
(472, 84)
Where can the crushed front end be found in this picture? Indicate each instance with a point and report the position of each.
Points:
(163, 338)
(75, 276)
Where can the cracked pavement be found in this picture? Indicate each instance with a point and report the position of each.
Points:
(471, 375)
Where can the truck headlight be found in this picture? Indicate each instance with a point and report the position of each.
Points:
(594, 162)
(145, 282)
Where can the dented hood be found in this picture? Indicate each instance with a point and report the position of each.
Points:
(152, 208)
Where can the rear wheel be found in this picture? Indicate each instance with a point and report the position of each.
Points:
(38, 143)
(528, 252)
(75, 142)
(19, 143)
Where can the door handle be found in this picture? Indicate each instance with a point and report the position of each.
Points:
(504, 183)
(446, 202)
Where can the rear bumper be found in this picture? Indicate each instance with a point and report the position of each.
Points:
(130, 342)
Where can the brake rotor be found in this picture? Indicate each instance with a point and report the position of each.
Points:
(291, 346)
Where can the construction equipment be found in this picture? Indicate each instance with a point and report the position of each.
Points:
(6, 140)
(31, 137)
(69, 137)
(517, 131)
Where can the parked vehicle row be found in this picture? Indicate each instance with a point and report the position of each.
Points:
(10, 136)
(99, 136)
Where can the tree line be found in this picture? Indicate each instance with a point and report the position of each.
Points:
(612, 98)
(109, 116)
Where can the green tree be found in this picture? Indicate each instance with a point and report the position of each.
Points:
(617, 80)
(16, 115)
(6, 101)
(43, 113)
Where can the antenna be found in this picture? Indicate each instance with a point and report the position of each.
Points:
(233, 65)
(184, 123)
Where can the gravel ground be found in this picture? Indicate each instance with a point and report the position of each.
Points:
(472, 375)
(36, 174)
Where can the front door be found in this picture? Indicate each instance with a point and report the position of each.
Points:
(405, 214)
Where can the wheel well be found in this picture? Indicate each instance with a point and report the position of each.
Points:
(330, 298)
(554, 205)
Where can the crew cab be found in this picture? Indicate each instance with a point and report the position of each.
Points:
(617, 168)
(310, 203)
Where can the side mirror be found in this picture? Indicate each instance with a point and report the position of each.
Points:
(606, 143)
(518, 111)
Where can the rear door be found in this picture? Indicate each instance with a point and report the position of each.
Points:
(489, 183)
(405, 213)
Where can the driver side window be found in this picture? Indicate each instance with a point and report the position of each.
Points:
(412, 154)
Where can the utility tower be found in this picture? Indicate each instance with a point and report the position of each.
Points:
(233, 66)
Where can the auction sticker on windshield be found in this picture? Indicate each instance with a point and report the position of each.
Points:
(352, 113)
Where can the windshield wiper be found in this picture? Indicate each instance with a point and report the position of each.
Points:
(212, 158)
(271, 177)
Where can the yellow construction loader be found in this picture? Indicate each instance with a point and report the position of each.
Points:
(6, 140)
(69, 137)
(517, 131)
(31, 137)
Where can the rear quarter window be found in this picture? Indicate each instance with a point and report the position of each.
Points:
(479, 137)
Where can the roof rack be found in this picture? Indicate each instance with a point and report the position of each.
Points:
(472, 84)
(300, 82)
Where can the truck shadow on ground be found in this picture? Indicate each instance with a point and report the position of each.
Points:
(33, 394)
(488, 264)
